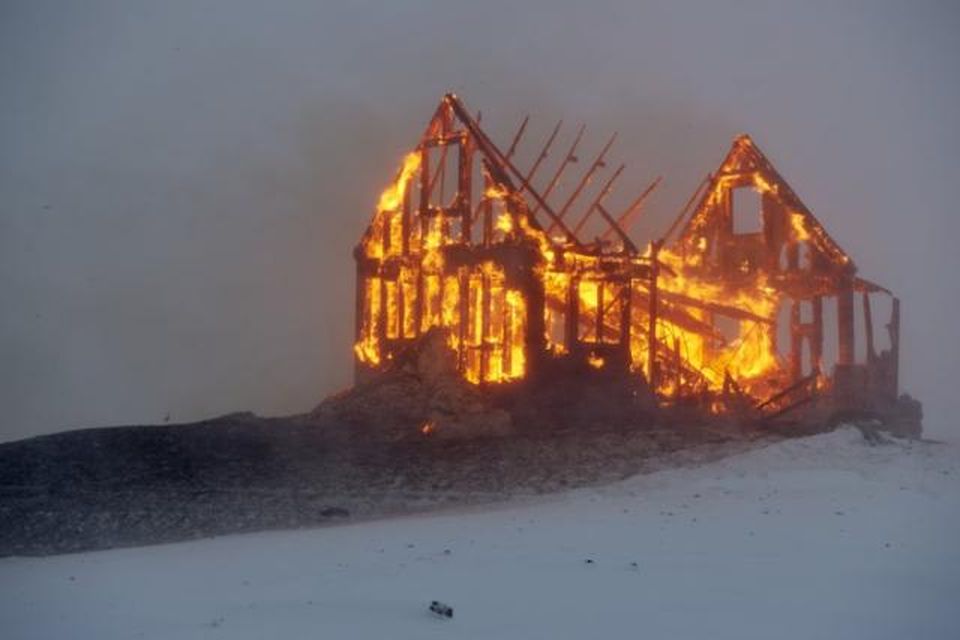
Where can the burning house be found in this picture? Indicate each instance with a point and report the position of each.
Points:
(746, 305)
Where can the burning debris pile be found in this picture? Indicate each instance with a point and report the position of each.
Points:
(728, 312)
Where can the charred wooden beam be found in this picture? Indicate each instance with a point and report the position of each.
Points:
(544, 152)
(624, 238)
(672, 315)
(486, 315)
(599, 323)
(816, 348)
(465, 191)
(714, 307)
(688, 368)
(487, 211)
(686, 208)
(572, 314)
(405, 218)
(440, 174)
(865, 286)
(360, 305)
(516, 138)
(584, 181)
(598, 200)
(567, 160)
(463, 318)
(626, 302)
(845, 324)
(400, 305)
(381, 328)
(789, 408)
(678, 379)
(894, 328)
(796, 342)
(652, 314)
(535, 341)
(799, 384)
(868, 328)
(627, 217)
(491, 149)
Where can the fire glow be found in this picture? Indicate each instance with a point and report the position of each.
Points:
(463, 242)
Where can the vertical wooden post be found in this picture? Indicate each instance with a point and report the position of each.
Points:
(817, 346)
(599, 333)
(424, 191)
(487, 213)
(485, 315)
(894, 328)
(793, 256)
(796, 342)
(405, 223)
(652, 313)
(401, 303)
(465, 183)
(868, 328)
(385, 232)
(361, 305)
(722, 238)
(359, 318)
(534, 340)
(464, 291)
(418, 307)
(676, 365)
(382, 317)
(572, 318)
(626, 300)
(845, 353)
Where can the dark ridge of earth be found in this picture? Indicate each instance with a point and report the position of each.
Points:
(126, 486)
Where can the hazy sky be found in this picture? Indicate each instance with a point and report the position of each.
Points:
(182, 183)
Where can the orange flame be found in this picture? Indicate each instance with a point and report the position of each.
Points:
(485, 313)
(392, 196)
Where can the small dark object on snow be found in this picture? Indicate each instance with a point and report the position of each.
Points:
(634, 565)
(589, 561)
(442, 610)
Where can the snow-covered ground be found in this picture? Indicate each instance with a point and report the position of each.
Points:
(824, 537)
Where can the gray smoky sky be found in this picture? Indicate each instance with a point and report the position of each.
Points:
(182, 182)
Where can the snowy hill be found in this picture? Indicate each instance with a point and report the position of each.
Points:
(821, 537)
